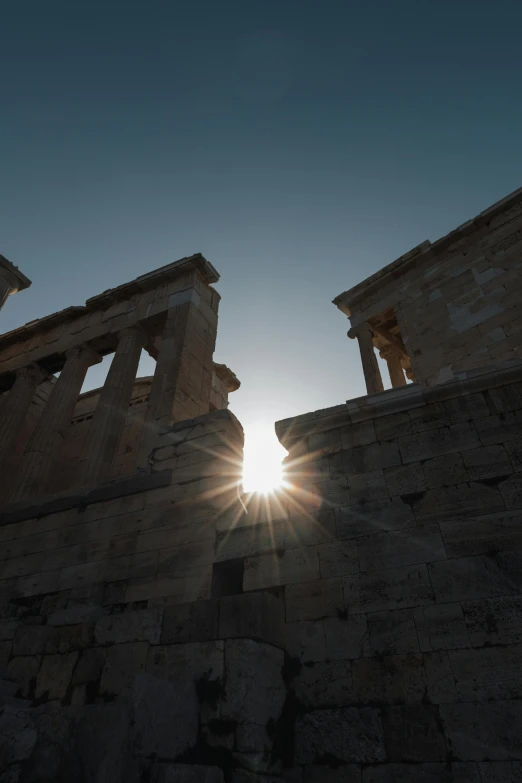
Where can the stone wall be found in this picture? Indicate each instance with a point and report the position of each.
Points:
(401, 568)
(457, 301)
(364, 625)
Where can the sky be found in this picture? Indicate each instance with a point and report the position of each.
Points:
(300, 146)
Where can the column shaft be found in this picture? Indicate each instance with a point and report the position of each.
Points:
(372, 374)
(109, 416)
(44, 446)
(12, 415)
(181, 385)
(393, 360)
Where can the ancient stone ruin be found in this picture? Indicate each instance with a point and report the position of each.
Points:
(361, 625)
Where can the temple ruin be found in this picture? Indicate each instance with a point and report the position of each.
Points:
(361, 625)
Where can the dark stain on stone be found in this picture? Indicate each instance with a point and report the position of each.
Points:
(209, 691)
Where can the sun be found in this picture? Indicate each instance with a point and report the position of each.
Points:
(263, 456)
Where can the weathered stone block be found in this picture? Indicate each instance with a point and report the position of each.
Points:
(18, 738)
(439, 678)
(470, 406)
(434, 443)
(338, 558)
(393, 588)
(514, 452)
(422, 773)
(187, 661)
(429, 417)
(441, 627)
(75, 614)
(494, 620)
(401, 548)
(445, 471)
(325, 684)
(5, 653)
(308, 529)
(484, 731)
(31, 640)
(193, 622)
(257, 616)
(373, 517)
(394, 679)
(281, 568)
(69, 638)
(348, 773)
(252, 738)
(404, 479)
(505, 398)
(484, 534)
(455, 501)
(468, 578)
(101, 744)
(331, 494)
(254, 690)
(55, 675)
(391, 633)
(486, 462)
(345, 636)
(500, 428)
(392, 426)
(323, 443)
(164, 717)
(500, 771)
(365, 459)
(359, 434)
(306, 640)
(250, 541)
(186, 773)
(90, 666)
(314, 600)
(8, 629)
(487, 673)
(348, 735)
(413, 733)
(124, 662)
(23, 670)
(367, 487)
(140, 626)
(511, 491)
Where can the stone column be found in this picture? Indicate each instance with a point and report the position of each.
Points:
(12, 415)
(393, 360)
(109, 416)
(11, 280)
(372, 374)
(183, 377)
(46, 441)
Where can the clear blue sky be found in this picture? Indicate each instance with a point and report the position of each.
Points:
(300, 145)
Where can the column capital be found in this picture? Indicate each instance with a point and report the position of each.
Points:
(17, 280)
(33, 373)
(387, 352)
(83, 351)
(135, 331)
(359, 329)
